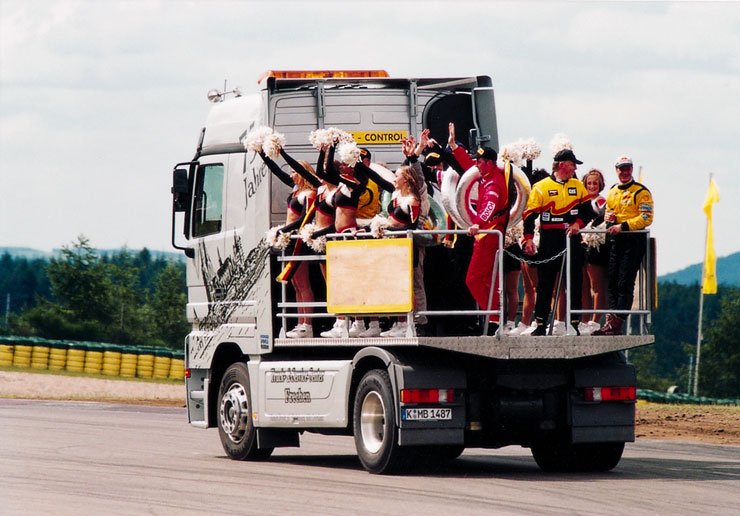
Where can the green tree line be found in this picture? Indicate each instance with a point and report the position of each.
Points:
(123, 298)
(132, 298)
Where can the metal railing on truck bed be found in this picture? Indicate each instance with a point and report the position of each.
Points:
(498, 346)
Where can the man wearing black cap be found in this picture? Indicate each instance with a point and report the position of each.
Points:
(563, 205)
(492, 213)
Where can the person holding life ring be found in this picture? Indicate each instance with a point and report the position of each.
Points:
(492, 213)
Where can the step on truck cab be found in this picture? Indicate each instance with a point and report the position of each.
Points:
(406, 400)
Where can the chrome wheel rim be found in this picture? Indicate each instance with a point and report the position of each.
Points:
(233, 412)
(372, 422)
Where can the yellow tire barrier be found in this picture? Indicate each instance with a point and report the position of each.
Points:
(162, 362)
(58, 356)
(40, 356)
(112, 361)
(22, 355)
(76, 358)
(128, 364)
(6, 355)
(145, 364)
(177, 369)
(93, 359)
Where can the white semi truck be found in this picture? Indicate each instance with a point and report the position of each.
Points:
(406, 401)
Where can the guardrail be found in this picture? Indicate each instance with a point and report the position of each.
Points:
(92, 358)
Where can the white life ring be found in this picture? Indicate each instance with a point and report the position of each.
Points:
(383, 172)
(467, 195)
(448, 190)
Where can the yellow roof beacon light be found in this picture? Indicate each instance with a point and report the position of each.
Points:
(322, 74)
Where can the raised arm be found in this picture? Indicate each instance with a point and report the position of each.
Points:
(276, 170)
(363, 170)
(300, 169)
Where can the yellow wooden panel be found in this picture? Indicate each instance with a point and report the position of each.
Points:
(369, 276)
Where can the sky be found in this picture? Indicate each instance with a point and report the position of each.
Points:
(98, 100)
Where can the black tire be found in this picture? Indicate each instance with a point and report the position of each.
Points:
(559, 456)
(235, 427)
(375, 430)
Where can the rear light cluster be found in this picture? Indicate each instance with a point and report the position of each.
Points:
(427, 395)
(610, 393)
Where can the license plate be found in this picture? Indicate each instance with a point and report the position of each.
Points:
(426, 414)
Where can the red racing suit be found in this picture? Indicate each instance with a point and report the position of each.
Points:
(492, 213)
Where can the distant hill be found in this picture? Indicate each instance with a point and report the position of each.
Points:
(728, 272)
(32, 254)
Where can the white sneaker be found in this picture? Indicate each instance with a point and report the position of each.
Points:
(358, 326)
(388, 332)
(559, 329)
(519, 329)
(373, 330)
(584, 328)
(592, 327)
(397, 330)
(338, 331)
(302, 331)
(508, 327)
(529, 329)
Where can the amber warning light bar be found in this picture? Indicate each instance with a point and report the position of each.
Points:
(322, 74)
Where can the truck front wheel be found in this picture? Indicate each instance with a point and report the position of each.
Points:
(235, 427)
(556, 456)
(375, 430)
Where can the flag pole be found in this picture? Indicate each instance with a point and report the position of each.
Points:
(701, 308)
(698, 342)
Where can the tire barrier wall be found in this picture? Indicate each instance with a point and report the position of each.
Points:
(92, 358)
(685, 399)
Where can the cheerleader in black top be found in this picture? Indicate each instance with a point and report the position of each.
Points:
(300, 200)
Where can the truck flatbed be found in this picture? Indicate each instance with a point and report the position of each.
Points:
(504, 348)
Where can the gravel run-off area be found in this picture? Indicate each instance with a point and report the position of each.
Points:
(698, 423)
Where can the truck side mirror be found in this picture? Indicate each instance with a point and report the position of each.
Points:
(180, 190)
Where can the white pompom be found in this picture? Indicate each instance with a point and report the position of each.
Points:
(594, 240)
(514, 234)
(513, 152)
(254, 141)
(273, 143)
(530, 149)
(319, 138)
(378, 225)
(317, 244)
(348, 153)
(277, 240)
(339, 136)
(560, 142)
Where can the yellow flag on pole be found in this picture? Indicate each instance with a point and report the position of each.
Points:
(709, 281)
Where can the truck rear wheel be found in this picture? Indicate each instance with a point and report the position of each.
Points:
(375, 430)
(555, 456)
(235, 427)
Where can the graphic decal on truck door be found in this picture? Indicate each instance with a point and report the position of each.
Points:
(230, 281)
